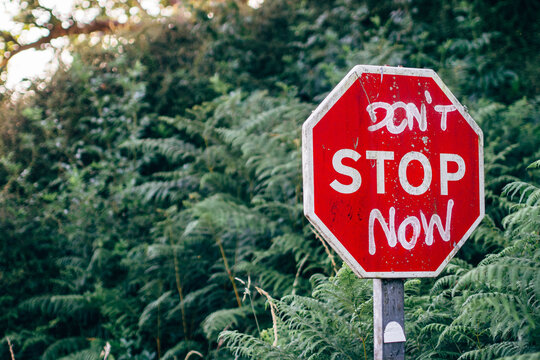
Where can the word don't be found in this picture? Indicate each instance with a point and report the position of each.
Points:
(411, 114)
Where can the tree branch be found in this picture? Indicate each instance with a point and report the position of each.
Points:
(58, 31)
(138, 4)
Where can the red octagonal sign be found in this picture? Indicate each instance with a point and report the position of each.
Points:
(393, 172)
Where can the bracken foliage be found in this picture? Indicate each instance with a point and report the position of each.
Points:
(151, 191)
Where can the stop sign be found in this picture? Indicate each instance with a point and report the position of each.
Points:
(393, 172)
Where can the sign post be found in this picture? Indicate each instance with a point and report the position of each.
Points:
(388, 319)
(393, 181)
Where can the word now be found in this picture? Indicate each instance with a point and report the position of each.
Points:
(411, 114)
(390, 229)
(381, 156)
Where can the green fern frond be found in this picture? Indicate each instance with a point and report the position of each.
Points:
(503, 314)
(497, 156)
(221, 212)
(202, 297)
(495, 182)
(161, 251)
(192, 127)
(433, 328)
(444, 283)
(272, 279)
(529, 356)
(223, 319)
(455, 334)
(412, 287)
(64, 347)
(32, 340)
(180, 350)
(496, 299)
(494, 351)
(174, 150)
(75, 261)
(148, 317)
(489, 235)
(170, 191)
(215, 182)
(524, 219)
(430, 355)
(172, 175)
(87, 354)
(534, 165)
(528, 192)
(58, 305)
(247, 346)
(508, 272)
(457, 267)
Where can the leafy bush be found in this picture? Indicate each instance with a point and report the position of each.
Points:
(151, 192)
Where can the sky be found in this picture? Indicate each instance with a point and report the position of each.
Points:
(31, 63)
(35, 64)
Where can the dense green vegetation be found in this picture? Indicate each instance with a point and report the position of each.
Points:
(151, 191)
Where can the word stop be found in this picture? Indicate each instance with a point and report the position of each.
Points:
(381, 157)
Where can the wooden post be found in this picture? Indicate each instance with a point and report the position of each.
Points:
(388, 319)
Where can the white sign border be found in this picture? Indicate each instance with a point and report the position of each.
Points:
(308, 175)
